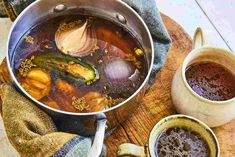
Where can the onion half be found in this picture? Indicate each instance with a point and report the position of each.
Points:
(76, 38)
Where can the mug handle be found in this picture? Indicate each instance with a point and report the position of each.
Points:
(128, 149)
(198, 38)
(98, 141)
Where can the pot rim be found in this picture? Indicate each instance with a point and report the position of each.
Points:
(187, 61)
(77, 113)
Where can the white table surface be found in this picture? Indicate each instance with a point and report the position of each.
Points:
(216, 17)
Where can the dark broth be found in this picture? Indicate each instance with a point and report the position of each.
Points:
(181, 142)
(114, 43)
(211, 81)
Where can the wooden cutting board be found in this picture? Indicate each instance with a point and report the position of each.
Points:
(157, 103)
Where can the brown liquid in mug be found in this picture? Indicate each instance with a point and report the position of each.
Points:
(211, 81)
(181, 142)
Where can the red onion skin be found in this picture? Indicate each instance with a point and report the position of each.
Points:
(115, 51)
(112, 50)
(118, 70)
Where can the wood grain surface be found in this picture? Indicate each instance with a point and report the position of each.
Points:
(157, 103)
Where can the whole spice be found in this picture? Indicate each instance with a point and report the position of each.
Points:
(90, 102)
(133, 59)
(79, 103)
(29, 39)
(26, 66)
(112, 102)
(138, 52)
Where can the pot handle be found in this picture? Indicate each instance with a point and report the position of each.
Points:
(128, 149)
(198, 38)
(98, 141)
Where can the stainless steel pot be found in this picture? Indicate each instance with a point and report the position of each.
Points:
(116, 10)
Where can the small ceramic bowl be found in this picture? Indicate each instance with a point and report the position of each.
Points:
(194, 124)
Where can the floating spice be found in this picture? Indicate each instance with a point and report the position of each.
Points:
(91, 101)
(105, 51)
(26, 66)
(112, 102)
(95, 48)
(134, 60)
(48, 47)
(29, 39)
(138, 52)
(79, 103)
(100, 61)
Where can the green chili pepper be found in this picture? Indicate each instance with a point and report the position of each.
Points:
(67, 67)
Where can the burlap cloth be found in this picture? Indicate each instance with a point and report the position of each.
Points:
(30, 130)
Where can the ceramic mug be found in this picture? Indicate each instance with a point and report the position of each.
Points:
(184, 121)
(186, 101)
